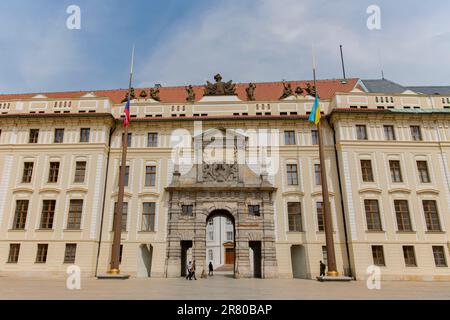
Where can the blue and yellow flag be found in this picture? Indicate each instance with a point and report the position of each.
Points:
(315, 112)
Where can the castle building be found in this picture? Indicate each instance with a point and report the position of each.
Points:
(243, 153)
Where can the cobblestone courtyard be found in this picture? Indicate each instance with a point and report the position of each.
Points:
(216, 288)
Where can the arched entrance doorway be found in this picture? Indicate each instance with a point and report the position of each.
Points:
(220, 243)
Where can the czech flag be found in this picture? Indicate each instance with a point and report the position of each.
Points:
(315, 112)
(126, 121)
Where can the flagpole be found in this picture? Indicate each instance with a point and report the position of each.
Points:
(331, 255)
(117, 222)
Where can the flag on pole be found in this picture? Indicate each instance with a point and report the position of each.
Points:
(315, 112)
(126, 120)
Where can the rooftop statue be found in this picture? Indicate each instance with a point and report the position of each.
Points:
(287, 90)
(154, 94)
(220, 88)
(190, 94)
(310, 89)
(132, 96)
(298, 90)
(143, 94)
(251, 92)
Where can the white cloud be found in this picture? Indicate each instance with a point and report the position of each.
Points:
(271, 40)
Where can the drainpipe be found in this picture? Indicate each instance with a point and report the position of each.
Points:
(111, 131)
(342, 200)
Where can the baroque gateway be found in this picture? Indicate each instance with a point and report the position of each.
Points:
(244, 152)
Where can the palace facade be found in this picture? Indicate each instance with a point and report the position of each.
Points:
(244, 152)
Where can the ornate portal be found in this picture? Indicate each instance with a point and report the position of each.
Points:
(220, 88)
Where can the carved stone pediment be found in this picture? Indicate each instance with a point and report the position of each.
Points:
(220, 172)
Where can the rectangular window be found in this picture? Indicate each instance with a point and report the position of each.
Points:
(315, 137)
(152, 140)
(53, 172)
(148, 216)
(396, 172)
(210, 255)
(253, 210)
(424, 175)
(416, 133)
(150, 176)
(295, 216)
(320, 216)
(13, 256)
(41, 254)
(34, 136)
(439, 256)
(372, 215)
(389, 133)
(229, 235)
(361, 132)
(317, 174)
(70, 253)
(20, 216)
(402, 215)
(27, 172)
(187, 210)
(75, 213)
(431, 215)
(59, 136)
(292, 176)
(48, 213)
(289, 138)
(85, 134)
(410, 256)
(366, 170)
(130, 135)
(378, 256)
(211, 235)
(80, 171)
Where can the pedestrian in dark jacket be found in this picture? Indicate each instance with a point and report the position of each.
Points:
(211, 269)
(322, 268)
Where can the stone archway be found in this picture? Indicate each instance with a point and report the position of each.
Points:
(222, 247)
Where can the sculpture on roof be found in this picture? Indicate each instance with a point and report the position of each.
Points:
(154, 94)
(220, 88)
(132, 96)
(287, 90)
(190, 94)
(298, 91)
(143, 94)
(250, 92)
(310, 89)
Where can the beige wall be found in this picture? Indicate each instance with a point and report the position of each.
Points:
(14, 150)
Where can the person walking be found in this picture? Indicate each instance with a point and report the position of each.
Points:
(211, 269)
(322, 268)
(189, 270)
(192, 274)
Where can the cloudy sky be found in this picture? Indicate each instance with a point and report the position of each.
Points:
(180, 42)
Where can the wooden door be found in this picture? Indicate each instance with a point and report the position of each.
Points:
(229, 256)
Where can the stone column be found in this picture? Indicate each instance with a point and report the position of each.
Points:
(199, 245)
(173, 257)
(268, 251)
(242, 262)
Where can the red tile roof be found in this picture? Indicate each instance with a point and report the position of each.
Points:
(265, 91)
